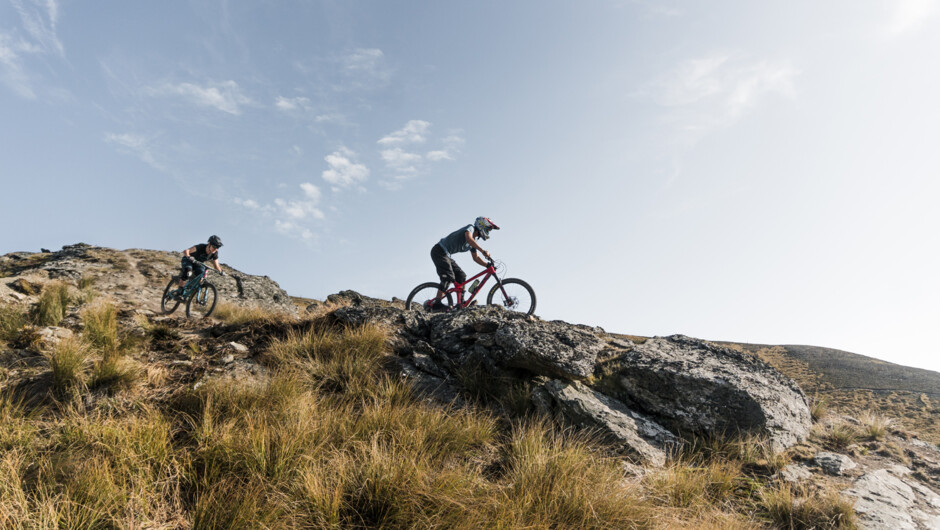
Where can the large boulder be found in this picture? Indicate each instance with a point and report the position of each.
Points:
(694, 386)
(512, 340)
(675, 383)
(636, 435)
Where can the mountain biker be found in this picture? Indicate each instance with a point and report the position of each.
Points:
(195, 257)
(460, 240)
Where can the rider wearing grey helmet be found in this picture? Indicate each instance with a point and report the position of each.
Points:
(461, 240)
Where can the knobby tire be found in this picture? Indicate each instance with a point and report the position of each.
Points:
(424, 292)
(521, 296)
(168, 304)
(193, 306)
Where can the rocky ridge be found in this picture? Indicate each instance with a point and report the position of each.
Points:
(644, 396)
(647, 396)
(134, 277)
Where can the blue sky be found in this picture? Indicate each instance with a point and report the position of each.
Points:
(760, 172)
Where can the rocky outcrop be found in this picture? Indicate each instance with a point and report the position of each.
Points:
(637, 435)
(136, 276)
(641, 395)
(695, 386)
(891, 498)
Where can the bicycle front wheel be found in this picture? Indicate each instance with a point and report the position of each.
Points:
(514, 295)
(168, 304)
(202, 303)
(424, 299)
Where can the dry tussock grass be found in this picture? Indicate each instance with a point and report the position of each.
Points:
(239, 314)
(331, 440)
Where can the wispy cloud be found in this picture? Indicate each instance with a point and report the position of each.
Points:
(12, 72)
(137, 145)
(412, 133)
(226, 96)
(344, 171)
(364, 68)
(450, 147)
(39, 19)
(716, 90)
(292, 104)
(402, 163)
(290, 216)
(251, 204)
(910, 15)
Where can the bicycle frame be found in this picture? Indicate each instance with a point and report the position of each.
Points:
(457, 289)
(193, 284)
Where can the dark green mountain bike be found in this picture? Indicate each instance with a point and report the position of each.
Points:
(198, 293)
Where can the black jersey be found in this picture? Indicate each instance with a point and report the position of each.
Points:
(201, 255)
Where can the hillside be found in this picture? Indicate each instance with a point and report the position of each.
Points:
(856, 383)
(356, 413)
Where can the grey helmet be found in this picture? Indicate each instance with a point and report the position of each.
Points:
(483, 225)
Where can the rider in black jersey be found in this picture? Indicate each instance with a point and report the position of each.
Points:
(195, 257)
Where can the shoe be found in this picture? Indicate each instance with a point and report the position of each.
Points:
(438, 307)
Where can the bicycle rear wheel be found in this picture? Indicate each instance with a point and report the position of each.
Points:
(168, 304)
(514, 295)
(424, 299)
(202, 303)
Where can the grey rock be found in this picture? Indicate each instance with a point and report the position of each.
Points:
(52, 335)
(794, 474)
(675, 383)
(883, 499)
(833, 464)
(427, 365)
(431, 387)
(698, 387)
(511, 340)
(637, 436)
(228, 359)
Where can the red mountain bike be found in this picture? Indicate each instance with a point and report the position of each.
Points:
(511, 293)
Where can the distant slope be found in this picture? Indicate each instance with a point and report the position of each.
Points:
(852, 383)
(843, 370)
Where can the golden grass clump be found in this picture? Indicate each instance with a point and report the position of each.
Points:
(101, 328)
(752, 449)
(100, 471)
(874, 426)
(52, 304)
(819, 408)
(690, 485)
(12, 320)
(340, 362)
(239, 314)
(840, 435)
(560, 479)
(67, 363)
(116, 373)
(787, 506)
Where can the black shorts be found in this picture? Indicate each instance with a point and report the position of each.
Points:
(447, 268)
(187, 266)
